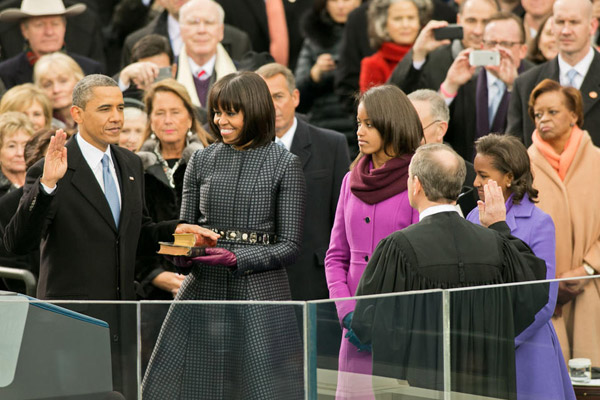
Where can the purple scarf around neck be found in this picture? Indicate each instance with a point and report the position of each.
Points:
(375, 185)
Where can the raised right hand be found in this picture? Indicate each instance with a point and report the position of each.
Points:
(55, 164)
(459, 72)
(425, 42)
(324, 63)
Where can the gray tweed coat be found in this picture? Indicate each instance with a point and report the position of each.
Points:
(235, 351)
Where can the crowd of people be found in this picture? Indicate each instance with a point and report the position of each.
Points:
(311, 146)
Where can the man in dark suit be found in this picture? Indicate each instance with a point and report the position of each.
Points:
(426, 65)
(236, 42)
(65, 205)
(44, 33)
(325, 160)
(84, 207)
(577, 65)
(479, 97)
(445, 251)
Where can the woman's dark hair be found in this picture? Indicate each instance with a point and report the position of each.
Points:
(572, 98)
(394, 116)
(509, 156)
(534, 53)
(247, 92)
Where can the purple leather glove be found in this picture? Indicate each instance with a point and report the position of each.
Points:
(217, 256)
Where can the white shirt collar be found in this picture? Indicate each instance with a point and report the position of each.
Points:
(92, 154)
(174, 34)
(436, 210)
(288, 136)
(581, 67)
(208, 67)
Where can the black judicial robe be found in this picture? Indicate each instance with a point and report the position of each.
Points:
(444, 251)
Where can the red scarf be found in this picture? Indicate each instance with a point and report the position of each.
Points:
(373, 185)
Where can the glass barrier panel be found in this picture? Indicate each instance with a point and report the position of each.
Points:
(222, 350)
(152, 350)
(392, 349)
(516, 341)
(67, 350)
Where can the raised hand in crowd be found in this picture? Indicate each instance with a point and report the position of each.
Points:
(142, 74)
(324, 63)
(425, 43)
(507, 71)
(459, 73)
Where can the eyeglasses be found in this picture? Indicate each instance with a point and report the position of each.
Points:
(504, 43)
(434, 122)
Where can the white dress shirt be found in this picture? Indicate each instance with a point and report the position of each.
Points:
(581, 67)
(436, 210)
(208, 67)
(288, 137)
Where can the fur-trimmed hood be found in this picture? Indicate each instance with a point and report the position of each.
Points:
(149, 159)
(321, 29)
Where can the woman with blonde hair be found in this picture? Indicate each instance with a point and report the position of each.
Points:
(31, 101)
(15, 132)
(57, 74)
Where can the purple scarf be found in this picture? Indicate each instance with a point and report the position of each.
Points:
(375, 185)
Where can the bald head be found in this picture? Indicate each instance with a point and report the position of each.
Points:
(573, 27)
(582, 7)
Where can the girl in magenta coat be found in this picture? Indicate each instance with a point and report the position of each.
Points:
(373, 204)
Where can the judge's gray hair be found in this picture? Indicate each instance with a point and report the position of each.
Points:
(83, 91)
(441, 179)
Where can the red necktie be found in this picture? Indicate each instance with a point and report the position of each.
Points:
(278, 32)
(202, 75)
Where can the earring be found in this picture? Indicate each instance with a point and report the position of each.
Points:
(152, 136)
(571, 124)
(508, 185)
(189, 133)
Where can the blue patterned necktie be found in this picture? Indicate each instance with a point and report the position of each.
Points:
(495, 101)
(571, 74)
(280, 143)
(110, 190)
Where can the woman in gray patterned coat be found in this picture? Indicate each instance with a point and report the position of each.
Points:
(252, 192)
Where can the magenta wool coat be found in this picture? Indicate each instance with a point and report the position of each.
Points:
(357, 229)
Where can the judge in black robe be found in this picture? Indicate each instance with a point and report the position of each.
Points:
(444, 251)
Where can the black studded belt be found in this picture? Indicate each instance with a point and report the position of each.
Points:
(246, 236)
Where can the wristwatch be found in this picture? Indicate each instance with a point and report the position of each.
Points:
(588, 269)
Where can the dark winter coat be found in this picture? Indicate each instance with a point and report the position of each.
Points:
(318, 100)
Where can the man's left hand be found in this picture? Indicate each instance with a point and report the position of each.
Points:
(204, 237)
